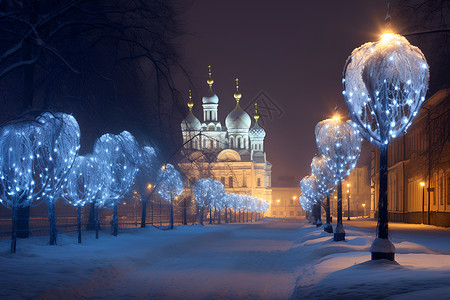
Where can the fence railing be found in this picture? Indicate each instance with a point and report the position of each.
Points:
(129, 216)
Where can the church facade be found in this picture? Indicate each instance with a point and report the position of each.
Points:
(232, 153)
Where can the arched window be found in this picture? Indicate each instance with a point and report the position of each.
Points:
(258, 181)
(238, 142)
(231, 142)
(230, 181)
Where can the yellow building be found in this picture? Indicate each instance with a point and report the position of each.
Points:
(419, 167)
(285, 203)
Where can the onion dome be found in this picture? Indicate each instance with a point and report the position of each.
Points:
(238, 118)
(191, 122)
(256, 132)
(211, 97)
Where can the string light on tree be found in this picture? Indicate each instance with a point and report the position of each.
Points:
(341, 142)
(385, 84)
(118, 157)
(170, 186)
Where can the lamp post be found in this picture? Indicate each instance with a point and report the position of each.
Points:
(364, 206)
(422, 184)
(385, 83)
(348, 201)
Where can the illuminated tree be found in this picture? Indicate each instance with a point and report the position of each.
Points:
(323, 169)
(218, 196)
(118, 156)
(170, 185)
(201, 188)
(341, 142)
(385, 84)
(310, 190)
(58, 141)
(145, 180)
(235, 203)
(227, 204)
(17, 186)
(83, 184)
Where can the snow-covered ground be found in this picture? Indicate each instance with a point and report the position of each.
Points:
(270, 259)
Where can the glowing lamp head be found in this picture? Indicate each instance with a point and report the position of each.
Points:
(422, 184)
(387, 36)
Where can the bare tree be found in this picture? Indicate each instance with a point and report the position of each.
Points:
(98, 59)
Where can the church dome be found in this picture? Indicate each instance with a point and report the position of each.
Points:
(238, 118)
(210, 98)
(256, 132)
(191, 123)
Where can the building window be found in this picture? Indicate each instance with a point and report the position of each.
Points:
(222, 180)
(230, 181)
(292, 202)
(291, 213)
(274, 213)
(258, 181)
(298, 213)
(238, 142)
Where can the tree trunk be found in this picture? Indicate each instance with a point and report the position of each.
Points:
(388, 249)
(144, 212)
(218, 217)
(185, 212)
(13, 230)
(201, 215)
(23, 222)
(91, 222)
(314, 214)
(23, 214)
(210, 215)
(319, 215)
(339, 234)
(226, 215)
(328, 228)
(79, 223)
(160, 212)
(97, 223)
(151, 206)
(52, 222)
(171, 213)
(114, 220)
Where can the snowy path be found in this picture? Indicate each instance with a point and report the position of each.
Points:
(271, 259)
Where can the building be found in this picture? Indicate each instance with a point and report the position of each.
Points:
(356, 191)
(232, 153)
(285, 203)
(419, 167)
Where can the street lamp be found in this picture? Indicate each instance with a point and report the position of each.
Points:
(348, 201)
(364, 206)
(422, 184)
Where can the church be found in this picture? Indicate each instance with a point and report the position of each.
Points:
(232, 153)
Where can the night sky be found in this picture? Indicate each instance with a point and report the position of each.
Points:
(293, 51)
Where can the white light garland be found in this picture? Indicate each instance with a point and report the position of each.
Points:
(385, 84)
